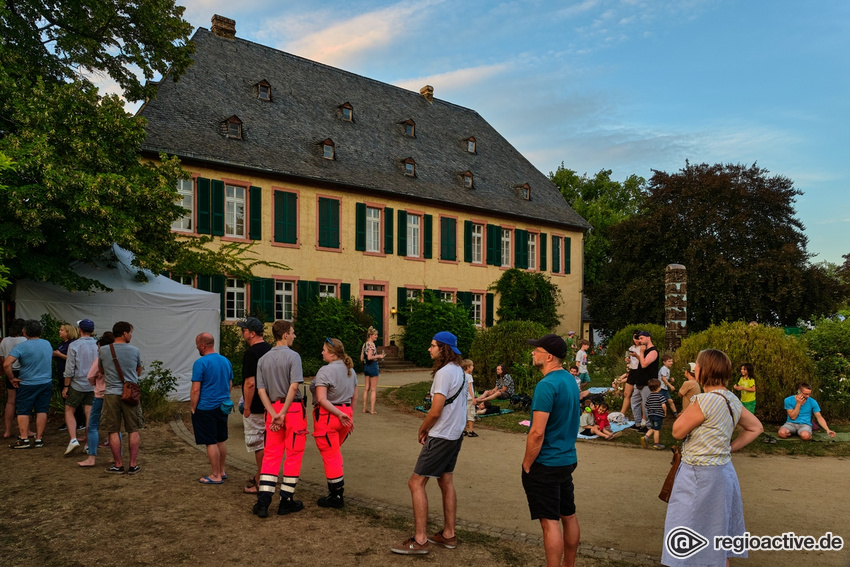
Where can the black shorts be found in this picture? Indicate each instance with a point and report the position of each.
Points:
(210, 426)
(437, 457)
(549, 491)
(630, 379)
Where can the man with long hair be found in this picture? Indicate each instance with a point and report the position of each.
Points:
(440, 434)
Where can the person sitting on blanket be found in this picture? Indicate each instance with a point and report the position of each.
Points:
(582, 394)
(600, 416)
(504, 387)
(586, 424)
(486, 408)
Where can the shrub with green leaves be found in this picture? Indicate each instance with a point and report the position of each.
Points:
(527, 296)
(780, 362)
(506, 344)
(429, 317)
(232, 347)
(829, 348)
(157, 383)
(330, 317)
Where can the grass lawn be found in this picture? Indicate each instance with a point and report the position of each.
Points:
(412, 395)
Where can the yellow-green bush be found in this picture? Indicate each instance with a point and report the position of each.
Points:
(780, 362)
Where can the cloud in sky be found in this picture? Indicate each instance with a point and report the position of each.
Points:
(455, 80)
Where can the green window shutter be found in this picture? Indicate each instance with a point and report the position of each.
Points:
(255, 204)
(388, 230)
(494, 245)
(217, 286)
(448, 239)
(402, 233)
(286, 217)
(204, 283)
(307, 292)
(556, 254)
(262, 297)
(429, 228)
(465, 299)
(567, 246)
(204, 204)
(467, 241)
(521, 249)
(360, 226)
(542, 252)
(328, 223)
(217, 207)
(401, 310)
(488, 307)
(345, 292)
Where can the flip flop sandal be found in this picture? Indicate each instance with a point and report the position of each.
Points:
(472, 434)
(208, 480)
(769, 440)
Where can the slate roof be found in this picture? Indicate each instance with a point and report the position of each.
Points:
(284, 136)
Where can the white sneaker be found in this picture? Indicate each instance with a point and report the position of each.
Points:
(73, 444)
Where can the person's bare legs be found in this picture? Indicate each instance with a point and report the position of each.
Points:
(258, 456)
(553, 541)
(23, 426)
(447, 487)
(40, 425)
(10, 411)
(222, 457)
(135, 442)
(572, 535)
(784, 433)
(416, 484)
(373, 382)
(627, 398)
(115, 447)
(71, 421)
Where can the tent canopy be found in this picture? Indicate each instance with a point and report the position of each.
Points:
(166, 315)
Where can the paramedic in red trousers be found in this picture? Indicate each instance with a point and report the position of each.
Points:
(440, 435)
(278, 376)
(334, 391)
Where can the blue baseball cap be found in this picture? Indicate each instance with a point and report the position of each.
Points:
(447, 338)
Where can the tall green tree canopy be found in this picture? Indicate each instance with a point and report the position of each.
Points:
(734, 228)
(77, 185)
(525, 296)
(603, 203)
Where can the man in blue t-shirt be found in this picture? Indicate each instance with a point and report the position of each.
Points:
(550, 452)
(209, 398)
(801, 407)
(34, 384)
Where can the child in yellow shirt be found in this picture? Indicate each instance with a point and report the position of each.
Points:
(747, 386)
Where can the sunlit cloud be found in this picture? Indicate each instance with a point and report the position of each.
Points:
(454, 80)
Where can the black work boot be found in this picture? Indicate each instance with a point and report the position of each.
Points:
(289, 505)
(334, 499)
(261, 508)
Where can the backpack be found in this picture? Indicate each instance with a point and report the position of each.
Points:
(521, 401)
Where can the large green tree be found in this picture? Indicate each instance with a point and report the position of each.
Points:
(735, 229)
(603, 203)
(77, 185)
(526, 296)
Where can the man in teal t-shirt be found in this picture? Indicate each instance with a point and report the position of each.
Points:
(550, 450)
(800, 408)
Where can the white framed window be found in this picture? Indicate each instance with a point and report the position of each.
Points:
(284, 299)
(234, 129)
(413, 296)
(373, 229)
(234, 211)
(347, 114)
(532, 251)
(264, 91)
(506, 248)
(467, 180)
(186, 190)
(470, 145)
(327, 290)
(477, 308)
(413, 224)
(447, 296)
(373, 287)
(526, 192)
(328, 151)
(477, 243)
(185, 280)
(410, 128)
(409, 167)
(234, 299)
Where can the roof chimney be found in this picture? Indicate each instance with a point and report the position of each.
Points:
(428, 92)
(224, 27)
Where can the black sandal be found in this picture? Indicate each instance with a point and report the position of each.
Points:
(472, 434)
(769, 440)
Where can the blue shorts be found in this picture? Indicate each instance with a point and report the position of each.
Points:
(664, 392)
(584, 377)
(210, 426)
(31, 398)
(371, 368)
(655, 422)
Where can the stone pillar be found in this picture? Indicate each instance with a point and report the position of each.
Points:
(675, 305)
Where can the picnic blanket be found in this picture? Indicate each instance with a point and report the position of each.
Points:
(599, 390)
(503, 412)
(818, 437)
(614, 429)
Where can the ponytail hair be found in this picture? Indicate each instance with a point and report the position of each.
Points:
(336, 348)
(370, 332)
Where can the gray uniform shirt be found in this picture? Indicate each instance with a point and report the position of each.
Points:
(276, 370)
(128, 357)
(339, 381)
(81, 355)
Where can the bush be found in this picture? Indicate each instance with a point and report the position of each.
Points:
(232, 347)
(505, 344)
(615, 353)
(527, 296)
(780, 362)
(429, 317)
(157, 383)
(829, 348)
(330, 317)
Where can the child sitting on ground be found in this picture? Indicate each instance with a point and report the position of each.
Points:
(666, 385)
(600, 416)
(587, 425)
(468, 367)
(655, 412)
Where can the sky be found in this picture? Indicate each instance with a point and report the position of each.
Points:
(627, 85)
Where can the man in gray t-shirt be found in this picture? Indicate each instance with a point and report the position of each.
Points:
(114, 410)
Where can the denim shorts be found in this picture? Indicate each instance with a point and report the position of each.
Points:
(31, 398)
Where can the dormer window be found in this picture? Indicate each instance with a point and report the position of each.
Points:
(409, 128)
(409, 167)
(328, 149)
(264, 91)
(347, 112)
(470, 145)
(233, 128)
(467, 179)
(525, 191)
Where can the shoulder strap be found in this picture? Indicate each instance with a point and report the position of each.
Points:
(115, 360)
(728, 405)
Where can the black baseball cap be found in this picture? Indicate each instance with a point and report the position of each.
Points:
(553, 344)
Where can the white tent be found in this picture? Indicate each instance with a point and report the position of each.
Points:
(166, 315)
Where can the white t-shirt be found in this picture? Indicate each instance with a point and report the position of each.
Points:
(634, 361)
(663, 372)
(6, 346)
(449, 380)
(581, 361)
